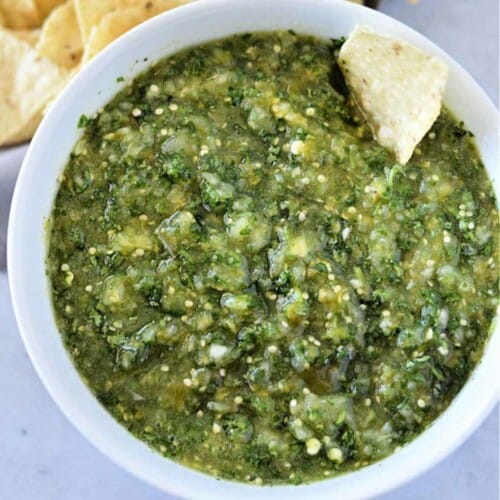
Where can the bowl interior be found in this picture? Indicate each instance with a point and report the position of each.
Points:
(37, 186)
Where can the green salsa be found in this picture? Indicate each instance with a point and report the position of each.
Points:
(253, 286)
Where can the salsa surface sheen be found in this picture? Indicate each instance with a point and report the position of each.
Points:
(250, 284)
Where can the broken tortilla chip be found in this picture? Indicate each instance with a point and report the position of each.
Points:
(60, 40)
(397, 87)
(45, 7)
(91, 13)
(28, 82)
(112, 25)
(20, 14)
(117, 22)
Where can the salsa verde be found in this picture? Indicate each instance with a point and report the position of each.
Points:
(253, 286)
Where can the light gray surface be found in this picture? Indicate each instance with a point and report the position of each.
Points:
(466, 29)
(43, 457)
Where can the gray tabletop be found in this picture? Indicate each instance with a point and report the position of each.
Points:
(43, 457)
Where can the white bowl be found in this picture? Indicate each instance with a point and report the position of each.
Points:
(34, 197)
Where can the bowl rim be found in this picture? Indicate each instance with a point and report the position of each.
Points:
(451, 428)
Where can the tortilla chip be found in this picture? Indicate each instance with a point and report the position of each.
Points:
(20, 14)
(113, 25)
(31, 37)
(398, 88)
(118, 22)
(61, 41)
(45, 7)
(3, 22)
(28, 82)
(91, 13)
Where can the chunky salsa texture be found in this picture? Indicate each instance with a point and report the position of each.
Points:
(253, 286)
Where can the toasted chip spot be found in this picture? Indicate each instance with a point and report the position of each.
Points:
(398, 88)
